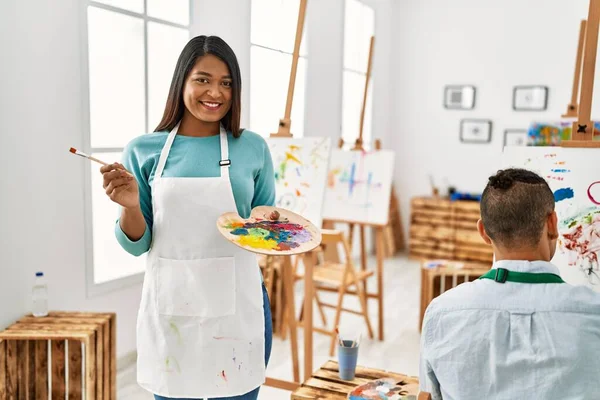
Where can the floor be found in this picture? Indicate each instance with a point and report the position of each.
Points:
(399, 352)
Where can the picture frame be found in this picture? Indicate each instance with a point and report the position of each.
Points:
(515, 137)
(475, 131)
(459, 97)
(530, 98)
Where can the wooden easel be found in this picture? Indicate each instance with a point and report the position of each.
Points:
(287, 273)
(573, 107)
(582, 133)
(331, 253)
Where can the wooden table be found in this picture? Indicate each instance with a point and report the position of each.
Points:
(326, 383)
(436, 280)
(79, 349)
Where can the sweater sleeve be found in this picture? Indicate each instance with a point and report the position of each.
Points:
(133, 162)
(264, 183)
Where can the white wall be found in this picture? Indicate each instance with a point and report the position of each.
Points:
(492, 45)
(42, 204)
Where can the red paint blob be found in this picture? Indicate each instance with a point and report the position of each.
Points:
(589, 193)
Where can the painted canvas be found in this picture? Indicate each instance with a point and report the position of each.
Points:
(553, 133)
(300, 174)
(359, 186)
(574, 177)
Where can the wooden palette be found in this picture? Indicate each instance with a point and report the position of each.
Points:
(287, 235)
(381, 389)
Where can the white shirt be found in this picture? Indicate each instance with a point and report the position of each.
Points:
(490, 340)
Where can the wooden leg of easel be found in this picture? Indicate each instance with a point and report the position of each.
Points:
(350, 235)
(308, 315)
(363, 254)
(380, 257)
(331, 253)
(280, 301)
(288, 287)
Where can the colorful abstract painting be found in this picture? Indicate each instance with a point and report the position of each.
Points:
(574, 177)
(553, 133)
(300, 174)
(359, 186)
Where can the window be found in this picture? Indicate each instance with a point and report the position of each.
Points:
(132, 48)
(359, 26)
(272, 46)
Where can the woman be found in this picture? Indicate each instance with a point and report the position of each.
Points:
(204, 325)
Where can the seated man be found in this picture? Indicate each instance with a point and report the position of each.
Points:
(519, 332)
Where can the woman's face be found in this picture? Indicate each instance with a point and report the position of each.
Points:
(207, 92)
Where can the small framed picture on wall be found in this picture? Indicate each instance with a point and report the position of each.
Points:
(515, 137)
(530, 98)
(475, 130)
(459, 97)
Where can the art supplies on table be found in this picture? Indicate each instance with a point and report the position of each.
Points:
(456, 196)
(381, 389)
(270, 231)
(553, 133)
(444, 263)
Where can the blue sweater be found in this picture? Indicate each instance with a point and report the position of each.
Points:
(251, 172)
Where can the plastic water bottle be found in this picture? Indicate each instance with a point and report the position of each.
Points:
(40, 296)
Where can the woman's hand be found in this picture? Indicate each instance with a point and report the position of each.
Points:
(120, 186)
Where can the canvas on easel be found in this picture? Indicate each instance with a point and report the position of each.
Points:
(300, 174)
(359, 186)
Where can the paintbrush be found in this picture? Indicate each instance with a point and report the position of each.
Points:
(82, 154)
(337, 331)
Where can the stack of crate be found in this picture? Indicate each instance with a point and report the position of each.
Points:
(66, 354)
(445, 229)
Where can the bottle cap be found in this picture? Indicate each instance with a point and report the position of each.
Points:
(39, 274)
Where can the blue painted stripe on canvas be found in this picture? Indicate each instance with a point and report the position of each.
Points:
(563, 194)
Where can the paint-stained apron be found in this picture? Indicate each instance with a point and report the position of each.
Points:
(200, 329)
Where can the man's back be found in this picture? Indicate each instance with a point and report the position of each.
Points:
(490, 340)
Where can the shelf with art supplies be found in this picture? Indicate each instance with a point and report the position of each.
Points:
(571, 170)
(444, 226)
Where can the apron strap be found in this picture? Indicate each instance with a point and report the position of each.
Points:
(162, 160)
(502, 275)
(225, 161)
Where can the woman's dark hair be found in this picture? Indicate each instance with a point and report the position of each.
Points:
(194, 49)
(515, 206)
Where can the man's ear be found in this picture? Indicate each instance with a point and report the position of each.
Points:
(552, 223)
(482, 233)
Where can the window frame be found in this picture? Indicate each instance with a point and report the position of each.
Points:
(94, 289)
(367, 144)
(300, 56)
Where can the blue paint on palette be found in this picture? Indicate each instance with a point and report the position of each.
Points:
(563, 194)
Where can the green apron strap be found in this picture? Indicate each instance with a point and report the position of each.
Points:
(502, 275)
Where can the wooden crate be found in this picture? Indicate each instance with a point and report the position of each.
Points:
(440, 228)
(435, 281)
(325, 383)
(66, 353)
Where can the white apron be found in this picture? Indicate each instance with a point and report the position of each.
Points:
(200, 329)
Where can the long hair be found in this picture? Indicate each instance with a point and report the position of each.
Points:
(194, 49)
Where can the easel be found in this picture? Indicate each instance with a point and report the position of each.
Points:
(573, 107)
(582, 133)
(379, 230)
(287, 273)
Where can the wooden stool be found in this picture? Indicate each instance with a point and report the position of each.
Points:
(325, 383)
(446, 275)
(61, 342)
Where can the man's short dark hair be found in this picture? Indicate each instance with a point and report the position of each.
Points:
(515, 206)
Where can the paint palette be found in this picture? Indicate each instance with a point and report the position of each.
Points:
(381, 389)
(288, 234)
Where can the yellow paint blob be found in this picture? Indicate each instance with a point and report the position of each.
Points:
(257, 242)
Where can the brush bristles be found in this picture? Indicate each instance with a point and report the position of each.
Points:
(73, 150)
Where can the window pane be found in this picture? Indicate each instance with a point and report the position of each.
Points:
(353, 92)
(277, 32)
(110, 260)
(164, 46)
(359, 21)
(177, 11)
(116, 68)
(269, 80)
(130, 5)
